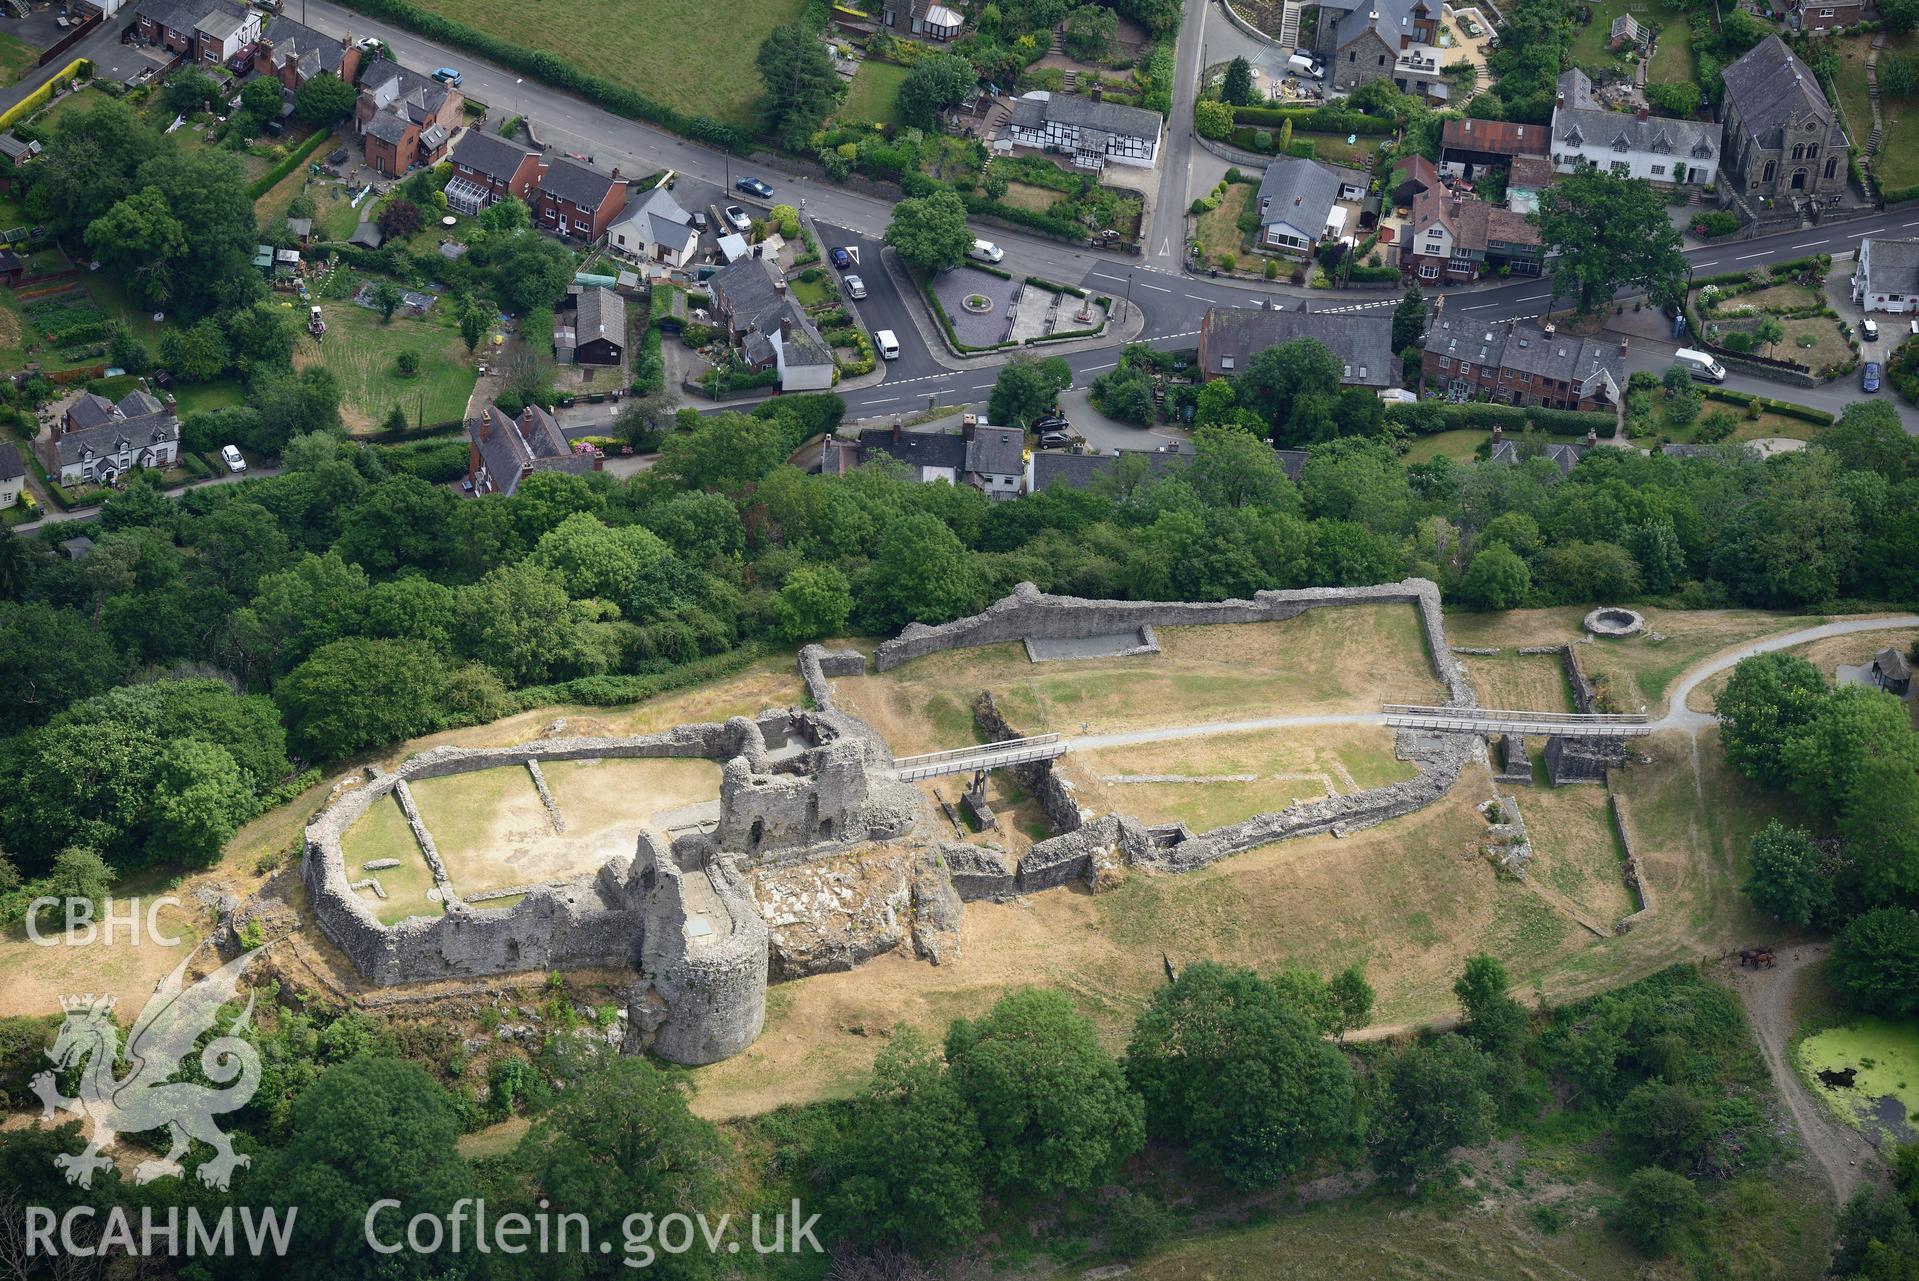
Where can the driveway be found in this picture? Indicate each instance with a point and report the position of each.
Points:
(884, 306)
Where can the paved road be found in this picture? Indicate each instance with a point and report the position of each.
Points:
(1679, 716)
(57, 516)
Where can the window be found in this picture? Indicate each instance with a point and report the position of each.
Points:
(1352, 56)
(1812, 151)
(1430, 271)
(581, 225)
(1799, 151)
(1832, 167)
(1382, 59)
(1659, 171)
(1445, 362)
(1620, 168)
(1770, 170)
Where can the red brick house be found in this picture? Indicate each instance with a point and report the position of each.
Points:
(1824, 15)
(404, 118)
(208, 32)
(487, 167)
(294, 54)
(1519, 362)
(1454, 239)
(577, 201)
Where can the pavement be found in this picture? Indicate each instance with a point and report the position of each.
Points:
(58, 516)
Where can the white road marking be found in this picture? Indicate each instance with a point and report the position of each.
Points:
(1158, 289)
(1761, 254)
(1814, 244)
(886, 401)
(1108, 365)
(1854, 235)
(1481, 307)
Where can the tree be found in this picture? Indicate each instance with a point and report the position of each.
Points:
(324, 100)
(1875, 961)
(922, 573)
(206, 190)
(934, 84)
(144, 242)
(1900, 15)
(1679, 98)
(1409, 319)
(399, 218)
(406, 362)
(1768, 698)
(368, 1129)
(190, 90)
(1429, 1099)
(1237, 89)
(930, 232)
(908, 1168)
(1880, 824)
(92, 162)
(51, 658)
(1233, 468)
(519, 621)
(202, 798)
(1657, 1204)
(1027, 388)
(78, 875)
(1497, 578)
(724, 452)
(1352, 1000)
(1089, 32)
(1212, 119)
(1293, 386)
(386, 298)
(1661, 1123)
(529, 270)
(1607, 231)
(1052, 1106)
(814, 602)
(259, 102)
(474, 322)
(1494, 1021)
(358, 693)
(260, 339)
(1789, 878)
(1126, 394)
(1874, 1227)
(1227, 1068)
(1899, 75)
(504, 217)
(196, 353)
(801, 85)
(1656, 549)
(622, 1136)
(1849, 728)
(1768, 331)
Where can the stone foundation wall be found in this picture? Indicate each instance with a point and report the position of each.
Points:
(1635, 871)
(1582, 760)
(1585, 695)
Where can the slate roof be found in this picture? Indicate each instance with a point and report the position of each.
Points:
(580, 184)
(367, 234)
(601, 314)
(1564, 457)
(300, 227)
(310, 49)
(996, 451)
(747, 291)
(916, 448)
(14, 148)
(510, 448)
(1892, 266)
(1526, 348)
(656, 218)
(1583, 122)
(220, 24)
(1297, 192)
(1892, 665)
(389, 126)
(489, 154)
(11, 468)
(1363, 343)
(90, 410)
(394, 88)
(1294, 461)
(116, 435)
(1135, 122)
(1495, 137)
(1767, 87)
(1075, 471)
(192, 15)
(1391, 18)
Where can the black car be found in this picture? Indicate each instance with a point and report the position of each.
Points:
(1050, 423)
(754, 187)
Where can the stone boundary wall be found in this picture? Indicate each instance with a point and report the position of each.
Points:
(1585, 694)
(1635, 870)
(817, 663)
(1031, 612)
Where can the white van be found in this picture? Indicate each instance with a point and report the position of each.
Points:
(1699, 365)
(986, 251)
(889, 345)
(1302, 65)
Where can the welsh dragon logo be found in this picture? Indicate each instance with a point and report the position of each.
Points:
(146, 1097)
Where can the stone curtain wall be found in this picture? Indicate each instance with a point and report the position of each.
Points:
(1031, 612)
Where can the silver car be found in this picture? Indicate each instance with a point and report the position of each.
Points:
(855, 287)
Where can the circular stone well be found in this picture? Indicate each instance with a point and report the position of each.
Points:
(1613, 621)
(977, 303)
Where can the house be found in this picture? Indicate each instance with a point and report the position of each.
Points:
(1412, 175)
(1891, 672)
(404, 118)
(293, 54)
(1563, 456)
(76, 548)
(991, 459)
(487, 167)
(653, 228)
(13, 475)
(1887, 277)
(1819, 16)
(593, 331)
(1298, 203)
(503, 451)
(1526, 181)
(772, 331)
(1092, 131)
(1230, 337)
(578, 201)
(1455, 238)
(1361, 40)
(1521, 362)
(1468, 145)
(1077, 471)
(208, 32)
(1782, 138)
(1681, 153)
(96, 440)
(921, 18)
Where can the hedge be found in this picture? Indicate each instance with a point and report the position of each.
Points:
(1040, 282)
(1434, 416)
(1784, 408)
(1894, 195)
(1316, 120)
(1777, 269)
(612, 691)
(554, 70)
(44, 94)
(1045, 223)
(293, 160)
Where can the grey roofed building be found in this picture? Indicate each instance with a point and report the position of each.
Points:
(300, 228)
(579, 184)
(1892, 672)
(1767, 87)
(996, 451)
(1297, 192)
(652, 218)
(601, 313)
(77, 548)
(1393, 19)
(915, 448)
(504, 451)
(488, 153)
(17, 149)
(1729, 448)
(310, 50)
(388, 126)
(11, 468)
(1294, 461)
(115, 436)
(1230, 337)
(1522, 358)
(90, 410)
(1581, 119)
(367, 235)
(220, 24)
(1564, 457)
(394, 88)
(1084, 113)
(1887, 267)
(1076, 471)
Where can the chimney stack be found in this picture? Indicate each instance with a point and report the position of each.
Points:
(1099, 91)
(969, 426)
(1642, 112)
(779, 287)
(1512, 324)
(1499, 433)
(1622, 348)
(1592, 437)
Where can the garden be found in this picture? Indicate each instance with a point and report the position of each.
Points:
(1895, 167)
(1676, 410)
(872, 97)
(1672, 60)
(365, 354)
(1778, 314)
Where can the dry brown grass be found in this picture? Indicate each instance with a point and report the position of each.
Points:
(1575, 852)
(1326, 660)
(1521, 682)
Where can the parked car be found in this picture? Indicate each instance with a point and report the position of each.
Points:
(888, 344)
(230, 455)
(1699, 364)
(855, 287)
(447, 76)
(1870, 329)
(1051, 422)
(986, 251)
(842, 259)
(754, 187)
(737, 217)
(1054, 440)
(1869, 376)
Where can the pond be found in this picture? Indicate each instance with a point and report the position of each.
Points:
(1880, 1059)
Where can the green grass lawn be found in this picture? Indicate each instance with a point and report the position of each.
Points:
(1896, 166)
(1460, 446)
(17, 57)
(360, 351)
(871, 98)
(1672, 62)
(688, 54)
